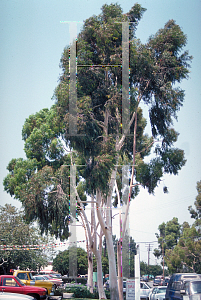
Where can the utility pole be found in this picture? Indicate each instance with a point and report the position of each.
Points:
(163, 258)
(148, 249)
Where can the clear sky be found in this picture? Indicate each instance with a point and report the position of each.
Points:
(32, 41)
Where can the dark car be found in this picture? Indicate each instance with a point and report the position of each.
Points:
(183, 286)
(165, 281)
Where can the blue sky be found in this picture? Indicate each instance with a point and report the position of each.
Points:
(32, 41)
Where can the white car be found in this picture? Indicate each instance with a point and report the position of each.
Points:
(145, 290)
(158, 293)
(14, 296)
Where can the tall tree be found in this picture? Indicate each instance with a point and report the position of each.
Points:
(103, 140)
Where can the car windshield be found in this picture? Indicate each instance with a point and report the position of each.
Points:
(196, 287)
(18, 280)
(31, 276)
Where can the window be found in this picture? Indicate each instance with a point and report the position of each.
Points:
(9, 282)
(22, 276)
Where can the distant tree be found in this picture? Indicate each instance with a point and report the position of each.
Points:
(196, 212)
(150, 270)
(186, 255)
(168, 236)
(16, 232)
(61, 261)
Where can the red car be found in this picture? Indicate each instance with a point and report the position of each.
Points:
(12, 284)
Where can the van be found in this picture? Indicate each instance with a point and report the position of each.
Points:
(182, 286)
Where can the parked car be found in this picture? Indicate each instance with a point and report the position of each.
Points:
(158, 293)
(184, 285)
(145, 278)
(145, 290)
(157, 281)
(12, 284)
(165, 281)
(27, 278)
(56, 281)
(11, 296)
(57, 275)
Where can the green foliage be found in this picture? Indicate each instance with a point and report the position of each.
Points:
(168, 237)
(154, 69)
(151, 269)
(41, 182)
(83, 292)
(196, 212)
(61, 261)
(15, 231)
(185, 256)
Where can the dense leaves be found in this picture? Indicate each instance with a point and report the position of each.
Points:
(168, 236)
(41, 182)
(61, 261)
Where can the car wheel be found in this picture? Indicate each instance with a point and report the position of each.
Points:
(35, 296)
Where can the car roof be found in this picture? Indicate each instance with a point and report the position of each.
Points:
(14, 296)
(187, 276)
(7, 276)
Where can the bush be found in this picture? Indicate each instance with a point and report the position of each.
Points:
(83, 292)
(80, 291)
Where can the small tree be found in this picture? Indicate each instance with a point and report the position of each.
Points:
(17, 240)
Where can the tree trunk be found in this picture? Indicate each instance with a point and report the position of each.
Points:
(90, 272)
(101, 290)
(114, 295)
(106, 228)
(119, 264)
(97, 253)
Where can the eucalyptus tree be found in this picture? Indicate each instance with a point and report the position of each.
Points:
(103, 140)
(103, 132)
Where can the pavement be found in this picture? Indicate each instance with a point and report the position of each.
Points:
(65, 296)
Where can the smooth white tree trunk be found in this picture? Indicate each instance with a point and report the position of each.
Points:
(90, 271)
(106, 228)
